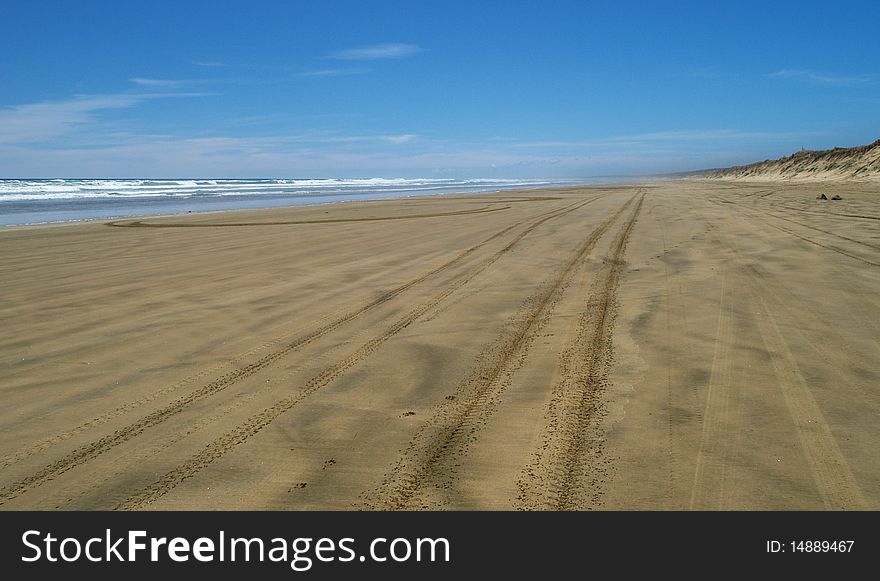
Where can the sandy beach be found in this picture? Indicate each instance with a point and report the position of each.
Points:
(677, 345)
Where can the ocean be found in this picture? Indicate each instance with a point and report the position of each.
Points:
(43, 201)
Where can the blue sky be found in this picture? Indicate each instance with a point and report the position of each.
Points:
(429, 89)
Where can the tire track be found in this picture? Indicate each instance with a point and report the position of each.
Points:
(142, 224)
(782, 299)
(673, 366)
(805, 211)
(809, 240)
(430, 457)
(842, 237)
(835, 482)
(514, 200)
(861, 296)
(711, 455)
(237, 374)
(556, 477)
(98, 447)
(155, 447)
(675, 307)
(820, 245)
(253, 425)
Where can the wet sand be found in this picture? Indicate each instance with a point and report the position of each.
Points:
(678, 345)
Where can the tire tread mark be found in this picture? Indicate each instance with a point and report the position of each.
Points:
(446, 435)
(806, 211)
(240, 373)
(810, 240)
(553, 479)
(98, 447)
(142, 224)
(707, 467)
(831, 472)
(253, 425)
(835, 482)
(841, 236)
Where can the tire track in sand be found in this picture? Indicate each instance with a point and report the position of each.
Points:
(237, 374)
(837, 486)
(789, 206)
(707, 489)
(835, 482)
(768, 212)
(142, 224)
(92, 450)
(253, 425)
(809, 240)
(570, 454)
(429, 460)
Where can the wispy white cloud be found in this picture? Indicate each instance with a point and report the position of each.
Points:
(398, 139)
(697, 136)
(172, 84)
(825, 78)
(330, 138)
(703, 135)
(552, 143)
(320, 155)
(166, 83)
(334, 72)
(46, 120)
(377, 51)
(38, 121)
(161, 156)
(662, 138)
(78, 122)
(211, 64)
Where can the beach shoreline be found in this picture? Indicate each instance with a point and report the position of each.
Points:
(245, 210)
(31, 202)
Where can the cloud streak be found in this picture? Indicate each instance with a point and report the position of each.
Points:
(663, 137)
(36, 122)
(210, 64)
(334, 72)
(399, 139)
(40, 121)
(376, 52)
(702, 135)
(164, 83)
(324, 154)
(825, 78)
(318, 138)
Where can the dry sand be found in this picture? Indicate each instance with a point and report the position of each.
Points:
(673, 346)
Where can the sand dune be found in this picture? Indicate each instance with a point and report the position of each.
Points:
(838, 164)
(699, 345)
